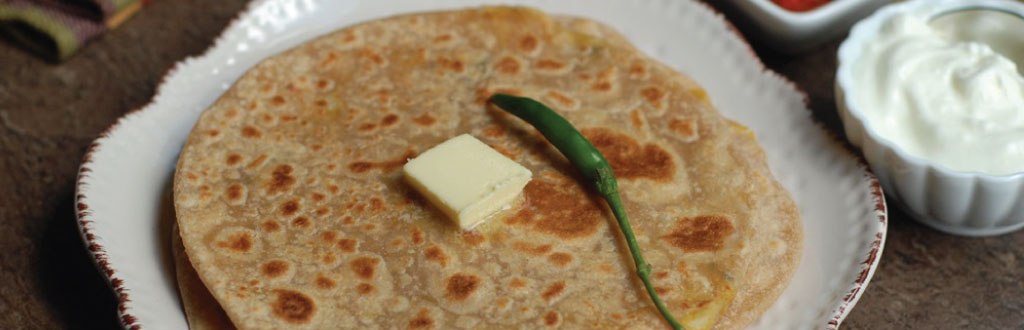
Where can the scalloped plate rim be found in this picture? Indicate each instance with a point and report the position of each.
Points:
(87, 220)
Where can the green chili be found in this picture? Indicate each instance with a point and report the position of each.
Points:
(594, 167)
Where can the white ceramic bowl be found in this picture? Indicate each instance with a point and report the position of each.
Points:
(962, 203)
(792, 32)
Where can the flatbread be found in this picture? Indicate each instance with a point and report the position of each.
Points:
(292, 208)
(201, 310)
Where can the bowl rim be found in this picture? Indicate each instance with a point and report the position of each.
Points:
(865, 30)
(823, 12)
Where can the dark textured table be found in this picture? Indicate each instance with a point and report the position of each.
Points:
(49, 114)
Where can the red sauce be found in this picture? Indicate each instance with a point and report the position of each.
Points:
(800, 5)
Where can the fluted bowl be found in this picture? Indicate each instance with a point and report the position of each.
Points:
(956, 202)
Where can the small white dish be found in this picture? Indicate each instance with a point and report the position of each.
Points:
(123, 177)
(793, 32)
(956, 202)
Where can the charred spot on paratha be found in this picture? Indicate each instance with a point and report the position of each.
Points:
(365, 289)
(325, 283)
(701, 233)
(275, 268)
(278, 100)
(317, 197)
(685, 128)
(251, 132)
(329, 258)
(436, 254)
(329, 236)
(270, 226)
(389, 120)
(561, 101)
(654, 95)
(361, 167)
(552, 319)
(302, 222)
(551, 66)
(256, 163)
(602, 86)
(460, 286)
(630, 159)
(347, 245)
(281, 179)
(443, 39)
(553, 291)
(235, 194)
(638, 71)
(451, 64)
(529, 44)
(531, 249)
(233, 159)
(560, 259)
(517, 283)
(422, 321)
(557, 209)
(636, 117)
(416, 235)
(289, 207)
(472, 238)
(236, 240)
(293, 307)
(508, 65)
(364, 267)
(424, 120)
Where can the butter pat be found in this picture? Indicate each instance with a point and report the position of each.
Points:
(466, 179)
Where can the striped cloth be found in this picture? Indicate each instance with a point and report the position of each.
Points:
(58, 28)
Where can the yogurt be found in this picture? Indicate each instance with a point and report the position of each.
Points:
(956, 103)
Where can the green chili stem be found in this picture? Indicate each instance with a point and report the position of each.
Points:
(643, 269)
(591, 163)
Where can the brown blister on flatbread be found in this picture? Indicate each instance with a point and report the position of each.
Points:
(364, 267)
(294, 214)
(293, 307)
(562, 210)
(630, 159)
(700, 234)
(460, 286)
(236, 241)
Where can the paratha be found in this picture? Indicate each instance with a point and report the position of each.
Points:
(292, 208)
(201, 310)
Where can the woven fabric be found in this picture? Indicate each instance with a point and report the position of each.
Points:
(57, 29)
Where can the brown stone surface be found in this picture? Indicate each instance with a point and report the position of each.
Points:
(49, 113)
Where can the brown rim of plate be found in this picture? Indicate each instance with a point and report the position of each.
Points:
(82, 213)
(99, 255)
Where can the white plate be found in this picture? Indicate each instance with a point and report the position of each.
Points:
(124, 175)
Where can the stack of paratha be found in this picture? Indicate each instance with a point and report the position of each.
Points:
(293, 213)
